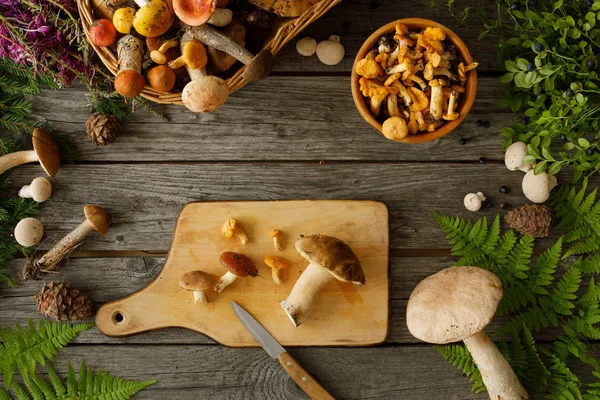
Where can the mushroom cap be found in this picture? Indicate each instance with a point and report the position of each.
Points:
(196, 280)
(453, 304)
(394, 128)
(537, 187)
(205, 94)
(129, 83)
(333, 255)
(154, 19)
(40, 189)
(194, 12)
(274, 232)
(161, 78)
(276, 262)
(97, 217)
(46, 150)
(307, 46)
(260, 66)
(123, 20)
(330, 52)
(238, 264)
(513, 158)
(421, 101)
(285, 8)
(473, 201)
(220, 61)
(29, 232)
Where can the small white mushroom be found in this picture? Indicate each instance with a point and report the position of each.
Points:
(331, 52)
(513, 158)
(29, 232)
(221, 17)
(39, 190)
(473, 201)
(306, 46)
(537, 187)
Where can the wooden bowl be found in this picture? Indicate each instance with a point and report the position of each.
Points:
(417, 25)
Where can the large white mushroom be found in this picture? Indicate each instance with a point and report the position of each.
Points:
(513, 158)
(537, 187)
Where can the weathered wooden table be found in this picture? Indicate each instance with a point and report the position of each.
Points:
(295, 135)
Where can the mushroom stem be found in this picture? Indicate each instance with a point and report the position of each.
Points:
(11, 160)
(500, 380)
(214, 38)
(275, 275)
(64, 246)
(300, 301)
(199, 296)
(225, 280)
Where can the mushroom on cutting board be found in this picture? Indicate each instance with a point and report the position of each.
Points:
(153, 18)
(29, 232)
(231, 228)
(457, 304)
(95, 219)
(237, 265)
(198, 282)
(39, 190)
(257, 67)
(329, 258)
(129, 82)
(537, 187)
(44, 150)
(205, 93)
(513, 158)
(276, 264)
(276, 236)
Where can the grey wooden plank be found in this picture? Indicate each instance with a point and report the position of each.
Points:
(280, 118)
(216, 372)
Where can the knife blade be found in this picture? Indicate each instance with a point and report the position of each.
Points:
(306, 382)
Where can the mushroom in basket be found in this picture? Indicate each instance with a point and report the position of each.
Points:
(130, 82)
(329, 258)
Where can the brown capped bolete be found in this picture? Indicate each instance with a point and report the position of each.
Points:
(198, 282)
(276, 264)
(129, 82)
(257, 67)
(161, 78)
(218, 60)
(237, 265)
(231, 228)
(29, 232)
(39, 190)
(457, 304)
(95, 219)
(329, 258)
(44, 150)
(205, 93)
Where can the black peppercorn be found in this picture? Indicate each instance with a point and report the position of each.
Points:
(482, 160)
(570, 93)
(462, 141)
(503, 189)
(479, 123)
(487, 204)
(589, 151)
(487, 124)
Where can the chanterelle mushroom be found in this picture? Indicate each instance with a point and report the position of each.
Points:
(39, 190)
(537, 187)
(513, 158)
(457, 304)
(276, 236)
(276, 264)
(29, 232)
(237, 265)
(329, 258)
(44, 150)
(95, 219)
(198, 282)
(231, 228)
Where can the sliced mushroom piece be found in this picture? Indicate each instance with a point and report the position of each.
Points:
(437, 99)
(231, 228)
(451, 114)
(198, 282)
(276, 264)
(44, 150)
(39, 190)
(237, 265)
(257, 67)
(129, 82)
(329, 258)
(457, 304)
(95, 219)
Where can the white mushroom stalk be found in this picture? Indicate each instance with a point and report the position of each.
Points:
(225, 280)
(301, 300)
(44, 150)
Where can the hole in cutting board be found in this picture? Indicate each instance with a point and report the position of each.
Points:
(118, 317)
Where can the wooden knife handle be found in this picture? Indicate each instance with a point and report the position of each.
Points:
(306, 382)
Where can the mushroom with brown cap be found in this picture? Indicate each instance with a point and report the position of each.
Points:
(95, 219)
(39, 190)
(198, 282)
(219, 61)
(513, 158)
(331, 51)
(537, 187)
(257, 67)
(231, 228)
(44, 150)
(457, 304)
(329, 258)
(153, 18)
(276, 264)
(395, 128)
(237, 265)
(29, 232)
(161, 78)
(129, 82)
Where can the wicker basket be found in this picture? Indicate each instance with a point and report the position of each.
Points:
(288, 28)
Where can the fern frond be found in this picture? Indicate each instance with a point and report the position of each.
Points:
(459, 356)
(24, 349)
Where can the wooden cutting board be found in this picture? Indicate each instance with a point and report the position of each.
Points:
(344, 314)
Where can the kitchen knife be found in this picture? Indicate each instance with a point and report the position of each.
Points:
(306, 382)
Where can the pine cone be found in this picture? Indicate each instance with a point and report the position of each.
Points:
(103, 128)
(532, 219)
(63, 303)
